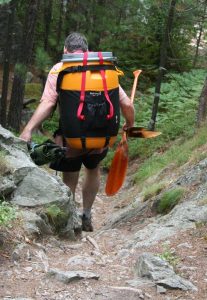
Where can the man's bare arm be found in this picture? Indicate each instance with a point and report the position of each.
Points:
(127, 108)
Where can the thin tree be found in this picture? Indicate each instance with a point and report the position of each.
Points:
(202, 106)
(200, 32)
(163, 60)
(47, 21)
(16, 102)
(6, 60)
(60, 23)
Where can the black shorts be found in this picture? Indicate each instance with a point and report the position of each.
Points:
(73, 164)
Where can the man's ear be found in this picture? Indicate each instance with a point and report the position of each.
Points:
(65, 51)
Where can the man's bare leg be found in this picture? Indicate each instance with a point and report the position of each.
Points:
(71, 180)
(89, 191)
(90, 187)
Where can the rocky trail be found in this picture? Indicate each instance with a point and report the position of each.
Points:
(101, 265)
(133, 253)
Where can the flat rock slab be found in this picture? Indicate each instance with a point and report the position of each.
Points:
(159, 271)
(67, 277)
(118, 293)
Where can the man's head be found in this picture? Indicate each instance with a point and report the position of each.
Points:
(75, 41)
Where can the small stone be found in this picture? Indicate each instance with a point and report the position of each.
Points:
(184, 245)
(161, 290)
(28, 269)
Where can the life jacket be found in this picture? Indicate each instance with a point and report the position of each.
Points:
(88, 89)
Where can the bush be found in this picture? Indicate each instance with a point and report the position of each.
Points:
(4, 168)
(57, 217)
(152, 190)
(33, 90)
(169, 256)
(7, 213)
(169, 199)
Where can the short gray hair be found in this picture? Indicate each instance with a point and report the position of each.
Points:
(76, 41)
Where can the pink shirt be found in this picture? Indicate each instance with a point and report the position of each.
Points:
(50, 93)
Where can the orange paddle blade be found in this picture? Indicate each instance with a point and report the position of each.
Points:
(141, 132)
(117, 172)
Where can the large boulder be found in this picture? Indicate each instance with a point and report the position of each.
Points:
(33, 189)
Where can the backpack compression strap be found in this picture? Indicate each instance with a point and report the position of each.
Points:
(111, 111)
(83, 84)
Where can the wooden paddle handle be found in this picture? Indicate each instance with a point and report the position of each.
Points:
(136, 75)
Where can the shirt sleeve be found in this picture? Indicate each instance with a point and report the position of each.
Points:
(123, 98)
(49, 93)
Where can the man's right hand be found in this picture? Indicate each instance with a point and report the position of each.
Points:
(26, 136)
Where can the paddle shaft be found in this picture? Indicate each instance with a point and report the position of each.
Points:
(136, 75)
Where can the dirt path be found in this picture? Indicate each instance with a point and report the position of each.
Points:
(102, 252)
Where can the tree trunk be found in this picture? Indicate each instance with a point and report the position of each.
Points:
(163, 61)
(16, 102)
(7, 56)
(200, 34)
(202, 106)
(60, 23)
(47, 19)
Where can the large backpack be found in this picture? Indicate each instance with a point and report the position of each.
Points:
(88, 89)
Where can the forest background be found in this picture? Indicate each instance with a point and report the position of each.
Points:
(164, 38)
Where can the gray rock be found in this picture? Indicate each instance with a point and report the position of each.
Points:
(38, 188)
(161, 289)
(160, 272)
(182, 217)
(7, 186)
(18, 252)
(153, 267)
(29, 77)
(184, 245)
(19, 298)
(67, 277)
(30, 186)
(176, 282)
(81, 260)
(34, 224)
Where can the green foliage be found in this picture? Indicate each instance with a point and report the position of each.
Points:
(7, 213)
(152, 190)
(176, 114)
(39, 139)
(57, 216)
(33, 90)
(42, 60)
(21, 70)
(169, 199)
(4, 167)
(176, 119)
(179, 94)
(168, 255)
(177, 155)
(133, 30)
(52, 123)
(4, 2)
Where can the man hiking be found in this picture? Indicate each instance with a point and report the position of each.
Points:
(70, 165)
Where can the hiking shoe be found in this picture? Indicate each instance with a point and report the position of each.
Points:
(87, 224)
